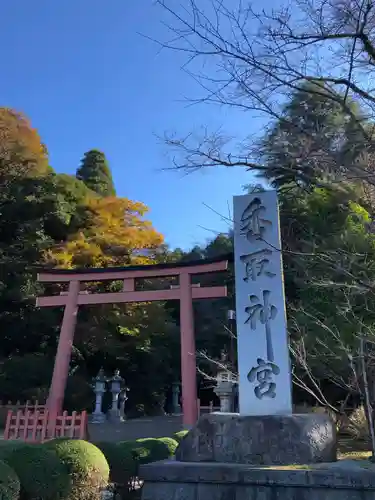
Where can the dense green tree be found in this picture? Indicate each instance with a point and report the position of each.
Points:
(30, 212)
(329, 255)
(314, 141)
(96, 174)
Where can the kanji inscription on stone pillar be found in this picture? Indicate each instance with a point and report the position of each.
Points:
(263, 350)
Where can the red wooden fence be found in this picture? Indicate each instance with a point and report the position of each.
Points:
(37, 427)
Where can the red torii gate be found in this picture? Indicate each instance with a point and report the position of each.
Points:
(185, 292)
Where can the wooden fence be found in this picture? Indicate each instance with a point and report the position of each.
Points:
(18, 405)
(38, 427)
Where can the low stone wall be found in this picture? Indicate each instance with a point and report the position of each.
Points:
(172, 480)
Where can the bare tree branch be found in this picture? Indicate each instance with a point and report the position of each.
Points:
(255, 61)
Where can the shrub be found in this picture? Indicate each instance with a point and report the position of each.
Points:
(122, 462)
(179, 436)
(86, 465)
(170, 447)
(7, 447)
(152, 449)
(9, 483)
(40, 472)
(137, 450)
(147, 450)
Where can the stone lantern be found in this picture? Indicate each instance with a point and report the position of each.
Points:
(99, 388)
(225, 383)
(116, 386)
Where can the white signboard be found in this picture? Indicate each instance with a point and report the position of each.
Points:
(263, 352)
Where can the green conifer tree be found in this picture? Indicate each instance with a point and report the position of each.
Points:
(96, 174)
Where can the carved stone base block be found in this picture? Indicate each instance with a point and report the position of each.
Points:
(171, 480)
(260, 440)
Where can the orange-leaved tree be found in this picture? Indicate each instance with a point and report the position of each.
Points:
(114, 232)
(21, 150)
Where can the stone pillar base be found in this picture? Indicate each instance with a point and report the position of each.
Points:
(97, 418)
(170, 480)
(260, 440)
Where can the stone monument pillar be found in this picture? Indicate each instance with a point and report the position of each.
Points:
(116, 385)
(99, 387)
(265, 384)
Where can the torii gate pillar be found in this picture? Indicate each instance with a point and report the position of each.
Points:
(188, 358)
(64, 351)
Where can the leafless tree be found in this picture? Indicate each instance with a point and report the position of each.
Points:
(204, 360)
(347, 361)
(209, 366)
(255, 61)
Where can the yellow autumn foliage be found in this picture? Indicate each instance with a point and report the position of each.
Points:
(117, 229)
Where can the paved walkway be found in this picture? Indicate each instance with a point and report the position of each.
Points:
(135, 429)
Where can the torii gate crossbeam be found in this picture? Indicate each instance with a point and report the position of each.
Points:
(185, 292)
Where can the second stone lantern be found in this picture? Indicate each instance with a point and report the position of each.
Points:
(117, 384)
(99, 388)
(226, 382)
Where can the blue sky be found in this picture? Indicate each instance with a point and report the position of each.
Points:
(86, 79)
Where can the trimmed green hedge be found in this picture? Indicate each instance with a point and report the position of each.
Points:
(71, 469)
(10, 486)
(166, 449)
(179, 436)
(41, 473)
(122, 463)
(86, 465)
(149, 450)
(8, 446)
(125, 457)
